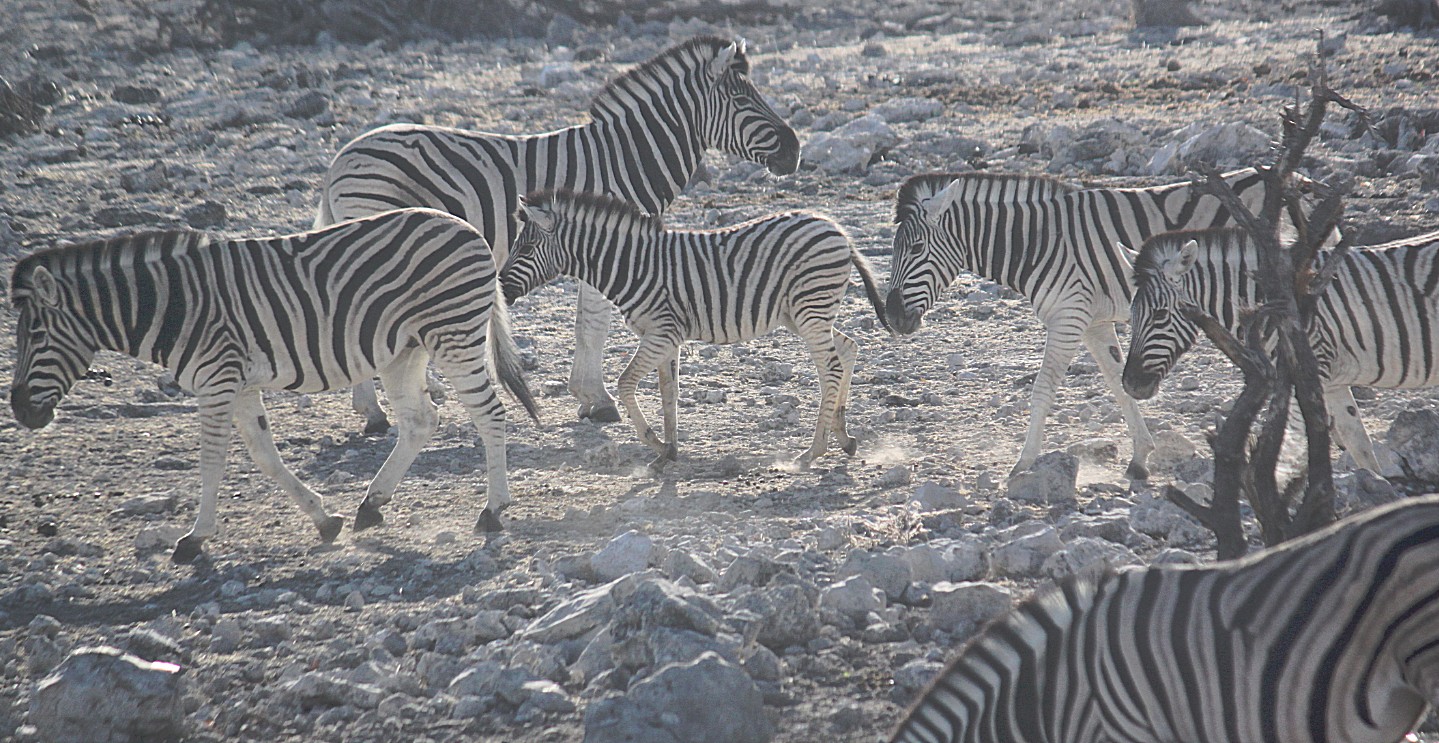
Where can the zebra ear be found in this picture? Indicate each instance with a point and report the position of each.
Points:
(937, 204)
(47, 290)
(1176, 267)
(537, 214)
(722, 61)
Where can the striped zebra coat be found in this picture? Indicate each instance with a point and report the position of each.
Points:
(308, 312)
(1331, 638)
(648, 130)
(1061, 246)
(1375, 325)
(718, 286)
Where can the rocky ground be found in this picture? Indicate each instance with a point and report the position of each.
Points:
(828, 596)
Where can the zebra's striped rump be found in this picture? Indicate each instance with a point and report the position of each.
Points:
(308, 312)
(1376, 324)
(1332, 638)
(719, 286)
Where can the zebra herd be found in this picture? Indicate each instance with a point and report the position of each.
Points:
(419, 226)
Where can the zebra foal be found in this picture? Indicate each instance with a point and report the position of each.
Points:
(1332, 638)
(1375, 325)
(649, 129)
(1060, 245)
(308, 312)
(718, 286)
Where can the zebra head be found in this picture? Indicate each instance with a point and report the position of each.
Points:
(53, 350)
(1160, 330)
(922, 262)
(534, 258)
(736, 119)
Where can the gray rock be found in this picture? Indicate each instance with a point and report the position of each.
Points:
(574, 617)
(916, 674)
(1414, 436)
(1023, 557)
(947, 560)
(1361, 490)
(962, 608)
(105, 694)
(627, 553)
(1097, 451)
(931, 496)
(324, 689)
(681, 564)
(708, 699)
(1087, 554)
(1050, 480)
(204, 215)
(1226, 146)
(850, 148)
(751, 570)
(908, 109)
(1112, 525)
(853, 597)
(1157, 517)
(887, 571)
(1170, 449)
(782, 615)
(896, 476)
(1103, 146)
(308, 105)
(144, 505)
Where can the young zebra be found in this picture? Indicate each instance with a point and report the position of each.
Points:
(648, 131)
(719, 286)
(1376, 325)
(1332, 638)
(1061, 246)
(309, 312)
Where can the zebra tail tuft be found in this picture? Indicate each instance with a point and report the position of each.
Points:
(871, 287)
(505, 358)
(323, 216)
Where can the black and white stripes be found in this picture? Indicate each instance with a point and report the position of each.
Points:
(309, 312)
(1061, 246)
(649, 129)
(718, 286)
(1332, 638)
(1376, 325)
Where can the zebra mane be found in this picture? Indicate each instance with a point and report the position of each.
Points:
(1146, 264)
(1033, 187)
(701, 48)
(592, 205)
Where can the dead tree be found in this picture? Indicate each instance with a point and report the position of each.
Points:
(1290, 286)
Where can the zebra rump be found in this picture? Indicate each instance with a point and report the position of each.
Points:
(1376, 324)
(1331, 638)
(307, 312)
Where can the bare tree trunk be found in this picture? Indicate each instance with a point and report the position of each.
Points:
(1163, 13)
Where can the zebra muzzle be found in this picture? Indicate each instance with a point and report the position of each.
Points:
(902, 320)
(29, 414)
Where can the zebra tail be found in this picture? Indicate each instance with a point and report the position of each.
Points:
(871, 287)
(323, 216)
(505, 359)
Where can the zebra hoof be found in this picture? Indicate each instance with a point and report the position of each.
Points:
(367, 517)
(186, 550)
(377, 426)
(489, 523)
(657, 465)
(1136, 471)
(330, 528)
(851, 446)
(603, 413)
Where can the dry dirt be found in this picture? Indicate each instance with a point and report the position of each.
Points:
(948, 404)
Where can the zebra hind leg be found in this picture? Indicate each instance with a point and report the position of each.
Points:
(587, 382)
(1061, 343)
(848, 353)
(215, 428)
(404, 382)
(367, 403)
(652, 350)
(669, 384)
(829, 363)
(254, 428)
(469, 375)
(1349, 429)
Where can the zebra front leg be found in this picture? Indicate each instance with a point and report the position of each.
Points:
(254, 430)
(830, 370)
(405, 382)
(1103, 344)
(1348, 427)
(587, 382)
(470, 377)
(215, 426)
(367, 403)
(669, 371)
(848, 353)
(1060, 346)
(651, 350)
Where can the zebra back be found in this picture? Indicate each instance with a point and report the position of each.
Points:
(1331, 637)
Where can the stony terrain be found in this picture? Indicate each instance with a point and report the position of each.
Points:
(829, 595)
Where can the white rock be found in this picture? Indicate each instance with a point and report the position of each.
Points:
(886, 571)
(627, 553)
(1087, 554)
(1051, 480)
(1024, 557)
(104, 694)
(931, 496)
(908, 109)
(962, 608)
(708, 699)
(947, 560)
(853, 597)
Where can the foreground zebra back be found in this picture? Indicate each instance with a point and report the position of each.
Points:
(1376, 325)
(1333, 638)
(309, 312)
(719, 286)
(649, 130)
(1059, 245)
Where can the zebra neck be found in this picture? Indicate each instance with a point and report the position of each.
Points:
(625, 267)
(643, 156)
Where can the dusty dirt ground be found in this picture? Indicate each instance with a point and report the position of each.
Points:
(140, 134)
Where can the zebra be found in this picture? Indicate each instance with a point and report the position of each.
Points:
(1375, 325)
(306, 312)
(719, 286)
(1060, 245)
(1331, 638)
(648, 130)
